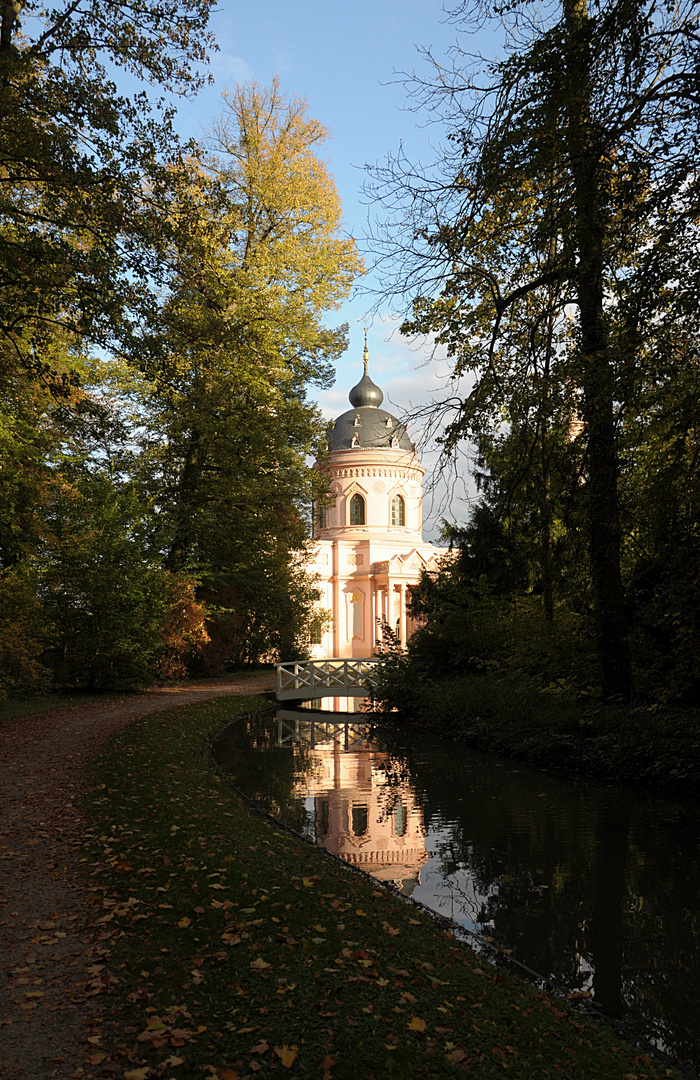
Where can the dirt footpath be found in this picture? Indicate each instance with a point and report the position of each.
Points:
(48, 977)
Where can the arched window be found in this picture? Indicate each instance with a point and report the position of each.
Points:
(357, 509)
(322, 517)
(398, 510)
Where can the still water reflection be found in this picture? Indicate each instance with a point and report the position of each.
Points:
(592, 886)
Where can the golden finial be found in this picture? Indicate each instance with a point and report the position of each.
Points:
(365, 355)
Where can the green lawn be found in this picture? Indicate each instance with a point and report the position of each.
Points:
(236, 950)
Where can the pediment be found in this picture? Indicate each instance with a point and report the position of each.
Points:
(413, 560)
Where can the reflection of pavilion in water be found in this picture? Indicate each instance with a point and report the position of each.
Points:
(363, 812)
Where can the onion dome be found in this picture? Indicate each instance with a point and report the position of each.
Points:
(366, 426)
(366, 393)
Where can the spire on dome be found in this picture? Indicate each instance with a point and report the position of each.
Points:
(366, 392)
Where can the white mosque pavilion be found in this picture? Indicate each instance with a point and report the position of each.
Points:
(368, 545)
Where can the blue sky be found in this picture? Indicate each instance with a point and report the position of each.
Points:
(344, 59)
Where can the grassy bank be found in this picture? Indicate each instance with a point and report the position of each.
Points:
(551, 727)
(233, 949)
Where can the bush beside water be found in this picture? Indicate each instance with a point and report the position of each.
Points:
(496, 676)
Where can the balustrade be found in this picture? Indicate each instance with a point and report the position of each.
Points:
(303, 679)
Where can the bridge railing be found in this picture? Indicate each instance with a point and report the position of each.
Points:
(302, 679)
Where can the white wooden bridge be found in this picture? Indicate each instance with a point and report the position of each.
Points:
(300, 680)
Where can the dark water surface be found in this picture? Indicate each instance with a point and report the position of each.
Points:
(595, 887)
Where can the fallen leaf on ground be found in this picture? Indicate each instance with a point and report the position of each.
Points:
(416, 1024)
(286, 1054)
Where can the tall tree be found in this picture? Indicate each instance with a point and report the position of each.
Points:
(262, 258)
(85, 176)
(570, 158)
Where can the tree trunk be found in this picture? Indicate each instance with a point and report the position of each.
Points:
(545, 427)
(9, 14)
(546, 514)
(186, 509)
(585, 154)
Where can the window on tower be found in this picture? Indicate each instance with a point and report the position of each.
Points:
(398, 510)
(360, 820)
(357, 510)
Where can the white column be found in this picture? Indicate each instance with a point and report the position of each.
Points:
(337, 613)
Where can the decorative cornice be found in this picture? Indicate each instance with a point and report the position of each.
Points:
(398, 473)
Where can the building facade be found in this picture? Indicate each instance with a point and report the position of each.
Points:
(369, 547)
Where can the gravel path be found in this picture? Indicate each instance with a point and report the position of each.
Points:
(49, 1027)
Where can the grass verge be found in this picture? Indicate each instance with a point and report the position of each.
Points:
(236, 950)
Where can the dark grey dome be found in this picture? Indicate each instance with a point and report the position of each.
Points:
(369, 428)
(366, 393)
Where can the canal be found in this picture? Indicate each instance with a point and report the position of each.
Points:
(595, 887)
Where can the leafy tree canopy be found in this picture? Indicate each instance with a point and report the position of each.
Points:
(261, 258)
(84, 168)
